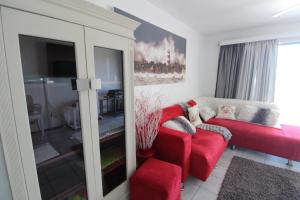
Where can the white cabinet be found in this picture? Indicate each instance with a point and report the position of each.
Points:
(60, 141)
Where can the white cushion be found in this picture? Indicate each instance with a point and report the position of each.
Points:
(194, 115)
(226, 112)
(247, 113)
(273, 119)
(207, 113)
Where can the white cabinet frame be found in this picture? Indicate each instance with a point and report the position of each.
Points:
(96, 38)
(61, 20)
(17, 23)
(8, 131)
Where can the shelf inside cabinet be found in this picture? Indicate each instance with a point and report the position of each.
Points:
(111, 158)
(75, 192)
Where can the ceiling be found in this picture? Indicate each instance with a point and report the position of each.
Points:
(215, 16)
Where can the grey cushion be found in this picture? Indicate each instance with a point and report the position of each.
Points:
(263, 116)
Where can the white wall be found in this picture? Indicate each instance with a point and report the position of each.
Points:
(287, 32)
(199, 79)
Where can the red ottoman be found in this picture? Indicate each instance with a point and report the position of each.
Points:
(157, 180)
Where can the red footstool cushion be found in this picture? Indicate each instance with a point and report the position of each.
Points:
(157, 180)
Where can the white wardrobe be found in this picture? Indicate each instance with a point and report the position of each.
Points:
(66, 84)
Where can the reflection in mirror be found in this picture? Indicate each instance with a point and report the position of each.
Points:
(111, 118)
(49, 72)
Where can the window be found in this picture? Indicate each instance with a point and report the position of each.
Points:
(287, 93)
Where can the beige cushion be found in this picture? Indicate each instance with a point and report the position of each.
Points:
(194, 115)
(272, 119)
(247, 113)
(226, 112)
(207, 113)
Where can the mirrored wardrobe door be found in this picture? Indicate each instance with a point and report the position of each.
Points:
(46, 58)
(107, 60)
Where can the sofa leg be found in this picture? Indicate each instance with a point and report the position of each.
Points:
(290, 163)
(232, 147)
(182, 187)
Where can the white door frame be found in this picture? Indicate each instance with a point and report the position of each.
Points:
(98, 38)
(18, 22)
(8, 132)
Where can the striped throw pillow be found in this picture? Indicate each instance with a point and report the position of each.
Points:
(180, 124)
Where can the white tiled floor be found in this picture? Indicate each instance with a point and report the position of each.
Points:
(195, 189)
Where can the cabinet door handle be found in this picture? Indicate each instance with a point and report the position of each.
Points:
(96, 84)
(82, 84)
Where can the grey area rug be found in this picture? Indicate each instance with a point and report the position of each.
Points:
(249, 180)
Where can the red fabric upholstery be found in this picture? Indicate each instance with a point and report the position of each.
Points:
(157, 180)
(195, 155)
(207, 148)
(283, 142)
(198, 154)
(292, 135)
(171, 112)
(174, 147)
(191, 103)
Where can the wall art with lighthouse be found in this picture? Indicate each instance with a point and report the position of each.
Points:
(159, 55)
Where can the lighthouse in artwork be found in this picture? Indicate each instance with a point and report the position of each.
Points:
(169, 58)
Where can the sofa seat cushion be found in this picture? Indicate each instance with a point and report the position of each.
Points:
(280, 142)
(293, 135)
(207, 148)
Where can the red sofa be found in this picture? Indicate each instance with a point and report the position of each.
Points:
(196, 154)
(283, 142)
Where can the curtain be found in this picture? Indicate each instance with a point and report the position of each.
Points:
(247, 71)
(229, 63)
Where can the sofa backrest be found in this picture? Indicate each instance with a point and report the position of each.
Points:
(174, 111)
(214, 102)
(171, 112)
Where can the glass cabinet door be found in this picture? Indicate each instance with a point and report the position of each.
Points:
(45, 58)
(53, 109)
(110, 118)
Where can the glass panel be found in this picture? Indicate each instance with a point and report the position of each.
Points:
(111, 119)
(49, 71)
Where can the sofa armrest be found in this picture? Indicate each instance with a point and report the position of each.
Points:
(174, 147)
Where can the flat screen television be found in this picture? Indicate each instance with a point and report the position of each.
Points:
(61, 60)
(63, 69)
